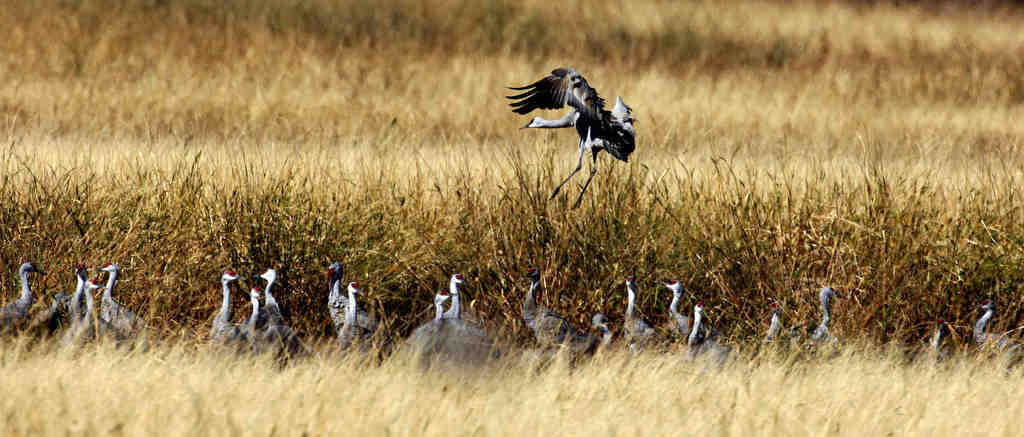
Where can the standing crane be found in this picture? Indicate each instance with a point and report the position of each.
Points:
(597, 128)
(998, 342)
(223, 331)
(549, 327)
(113, 313)
(337, 302)
(16, 312)
(700, 343)
(821, 333)
(638, 331)
(678, 323)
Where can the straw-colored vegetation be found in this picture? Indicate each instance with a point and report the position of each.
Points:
(781, 147)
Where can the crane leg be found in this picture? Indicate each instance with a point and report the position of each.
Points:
(593, 170)
(579, 165)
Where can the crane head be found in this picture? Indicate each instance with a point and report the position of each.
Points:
(270, 275)
(28, 267)
(353, 287)
(630, 278)
(533, 273)
(229, 275)
(109, 267)
(458, 278)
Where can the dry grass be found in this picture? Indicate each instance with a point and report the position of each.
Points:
(186, 390)
(782, 147)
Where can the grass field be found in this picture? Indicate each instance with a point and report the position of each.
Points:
(781, 147)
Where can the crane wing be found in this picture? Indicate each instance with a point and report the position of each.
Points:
(563, 87)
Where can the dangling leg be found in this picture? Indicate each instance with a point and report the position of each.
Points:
(579, 165)
(593, 169)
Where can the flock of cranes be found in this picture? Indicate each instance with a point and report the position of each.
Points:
(447, 335)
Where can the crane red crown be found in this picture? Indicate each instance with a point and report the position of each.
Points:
(330, 271)
(79, 266)
(629, 278)
(94, 282)
(257, 288)
(673, 282)
(107, 264)
(532, 270)
(940, 320)
(230, 272)
(700, 304)
(444, 293)
(354, 285)
(459, 277)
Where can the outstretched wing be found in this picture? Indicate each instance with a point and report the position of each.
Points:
(563, 87)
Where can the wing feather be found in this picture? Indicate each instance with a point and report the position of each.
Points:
(563, 87)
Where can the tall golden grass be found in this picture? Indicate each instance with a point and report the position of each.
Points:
(781, 147)
(184, 390)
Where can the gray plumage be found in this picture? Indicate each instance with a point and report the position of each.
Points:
(89, 327)
(678, 323)
(113, 313)
(337, 302)
(700, 345)
(16, 312)
(821, 333)
(351, 332)
(638, 331)
(549, 327)
(450, 338)
(271, 311)
(598, 129)
(999, 342)
(223, 331)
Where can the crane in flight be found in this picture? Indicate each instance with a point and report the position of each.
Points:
(598, 128)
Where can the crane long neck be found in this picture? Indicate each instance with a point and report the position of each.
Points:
(630, 301)
(108, 292)
(225, 305)
(76, 300)
(438, 309)
(351, 309)
(773, 328)
(673, 308)
(335, 290)
(255, 312)
(692, 340)
(979, 327)
(606, 334)
(26, 289)
(270, 285)
(455, 311)
(938, 337)
(826, 309)
(530, 303)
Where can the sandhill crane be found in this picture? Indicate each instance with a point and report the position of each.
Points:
(455, 310)
(223, 331)
(937, 345)
(115, 314)
(638, 331)
(678, 323)
(549, 327)
(821, 334)
(351, 332)
(598, 323)
(999, 342)
(700, 344)
(249, 328)
(271, 314)
(16, 312)
(58, 315)
(775, 325)
(459, 340)
(336, 303)
(424, 334)
(597, 128)
(90, 326)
